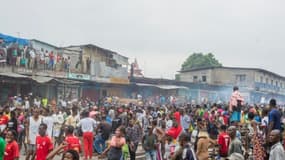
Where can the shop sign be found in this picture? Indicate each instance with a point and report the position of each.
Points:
(100, 79)
(59, 74)
(119, 80)
(78, 76)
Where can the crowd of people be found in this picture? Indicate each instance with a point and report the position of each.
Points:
(25, 56)
(166, 131)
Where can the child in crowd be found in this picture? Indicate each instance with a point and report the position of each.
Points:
(72, 141)
(12, 148)
(169, 148)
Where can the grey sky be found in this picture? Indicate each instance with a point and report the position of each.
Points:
(161, 34)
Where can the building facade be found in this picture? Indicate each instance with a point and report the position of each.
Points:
(257, 85)
(66, 72)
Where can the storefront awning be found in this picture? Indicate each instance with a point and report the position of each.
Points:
(67, 81)
(13, 75)
(165, 87)
(41, 79)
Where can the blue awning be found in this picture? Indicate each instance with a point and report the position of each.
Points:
(10, 39)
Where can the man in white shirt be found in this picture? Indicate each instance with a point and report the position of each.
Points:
(32, 58)
(27, 103)
(48, 120)
(63, 103)
(58, 122)
(87, 125)
(37, 102)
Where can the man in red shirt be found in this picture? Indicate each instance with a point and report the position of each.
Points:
(43, 143)
(3, 120)
(71, 140)
(224, 142)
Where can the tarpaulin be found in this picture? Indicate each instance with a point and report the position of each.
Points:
(10, 39)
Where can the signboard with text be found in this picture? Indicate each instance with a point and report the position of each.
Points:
(78, 76)
(119, 80)
(100, 79)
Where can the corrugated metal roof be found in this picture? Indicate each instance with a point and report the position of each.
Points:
(13, 75)
(233, 68)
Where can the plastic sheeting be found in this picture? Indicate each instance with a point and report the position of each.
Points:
(10, 39)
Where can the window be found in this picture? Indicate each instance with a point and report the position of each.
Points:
(261, 79)
(272, 82)
(241, 78)
(276, 83)
(204, 78)
(267, 81)
(195, 78)
(104, 93)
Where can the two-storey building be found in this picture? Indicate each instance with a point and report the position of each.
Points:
(257, 85)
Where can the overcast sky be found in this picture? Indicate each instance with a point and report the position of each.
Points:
(161, 34)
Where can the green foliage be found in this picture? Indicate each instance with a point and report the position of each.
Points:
(200, 60)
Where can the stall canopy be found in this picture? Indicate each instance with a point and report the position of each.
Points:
(165, 87)
(67, 81)
(41, 79)
(12, 75)
(10, 39)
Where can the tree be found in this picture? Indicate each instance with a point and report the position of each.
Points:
(200, 60)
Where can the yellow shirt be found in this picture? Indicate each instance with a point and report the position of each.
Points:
(44, 102)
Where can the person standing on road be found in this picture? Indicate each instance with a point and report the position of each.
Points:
(73, 119)
(3, 120)
(103, 134)
(274, 117)
(73, 142)
(33, 125)
(235, 148)
(223, 142)
(12, 148)
(43, 143)
(116, 144)
(277, 151)
(2, 147)
(134, 134)
(149, 141)
(87, 125)
(48, 120)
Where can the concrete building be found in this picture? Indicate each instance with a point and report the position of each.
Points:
(106, 69)
(76, 71)
(43, 46)
(257, 85)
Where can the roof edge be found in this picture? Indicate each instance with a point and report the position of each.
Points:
(240, 68)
